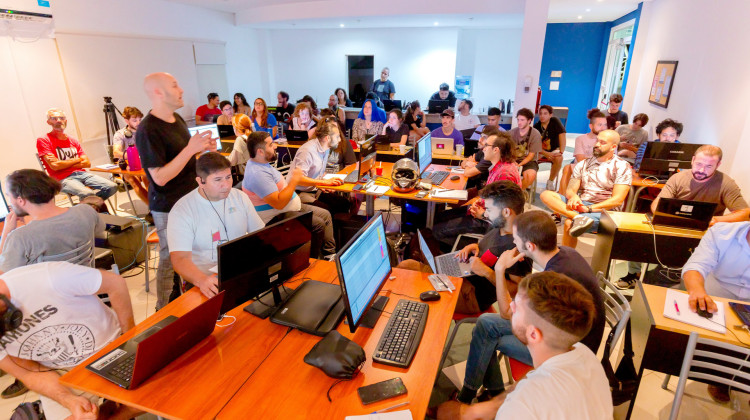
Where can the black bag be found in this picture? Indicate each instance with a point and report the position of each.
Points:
(337, 356)
(624, 381)
(28, 411)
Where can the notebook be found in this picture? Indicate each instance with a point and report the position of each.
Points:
(716, 323)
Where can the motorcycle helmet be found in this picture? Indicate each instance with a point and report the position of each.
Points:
(405, 176)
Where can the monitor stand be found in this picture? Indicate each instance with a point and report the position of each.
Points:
(370, 318)
(267, 305)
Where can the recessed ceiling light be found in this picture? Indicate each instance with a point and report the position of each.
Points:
(588, 10)
(341, 25)
(435, 23)
(580, 17)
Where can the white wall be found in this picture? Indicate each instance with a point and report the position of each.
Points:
(490, 56)
(711, 86)
(314, 61)
(109, 44)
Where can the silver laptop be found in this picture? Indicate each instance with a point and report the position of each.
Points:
(446, 264)
(213, 128)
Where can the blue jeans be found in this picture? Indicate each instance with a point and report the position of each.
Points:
(595, 216)
(83, 184)
(492, 333)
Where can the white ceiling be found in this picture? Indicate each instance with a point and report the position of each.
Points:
(560, 11)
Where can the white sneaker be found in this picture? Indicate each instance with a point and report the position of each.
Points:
(550, 185)
(580, 225)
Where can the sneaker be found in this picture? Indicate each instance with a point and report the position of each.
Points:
(14, 390)
(719, 393)
(556, 217)
(580, 225)
(627, 282)
(550, 185)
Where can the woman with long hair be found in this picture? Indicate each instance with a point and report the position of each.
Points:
(242, 128)
(395, 129)
(313, 106)
(341, 97)
(369, 121)
(415, 120)
(302, 119)
(240, 104)
(262, 120)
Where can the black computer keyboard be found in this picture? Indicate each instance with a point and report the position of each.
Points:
(436, 177)
(402, 335)
(124, 368)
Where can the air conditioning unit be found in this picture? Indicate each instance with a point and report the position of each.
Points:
(23, 25)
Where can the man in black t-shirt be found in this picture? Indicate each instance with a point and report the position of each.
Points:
(553, 141)
(535, 237)
(615, 116)
(168, 157)
(284, 109)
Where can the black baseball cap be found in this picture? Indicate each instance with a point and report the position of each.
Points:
(444, 86)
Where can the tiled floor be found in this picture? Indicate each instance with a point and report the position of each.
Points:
(653, 402)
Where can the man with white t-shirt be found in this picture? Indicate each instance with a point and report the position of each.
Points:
(209, 215)
(584, 145)
(465, 119)
(551, 313)
(274, 198)
(63, 324)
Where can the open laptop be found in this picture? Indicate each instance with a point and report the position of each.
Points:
(468, 133)
(389, 104)
(382, 143)
(367, 157)
(226, 130)
(436, 106)
(296, 136)
(214, 129)
(442, 146)
(139, 358)
(684, 214)
(446, 264)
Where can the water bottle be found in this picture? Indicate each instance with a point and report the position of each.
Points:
(134, 161)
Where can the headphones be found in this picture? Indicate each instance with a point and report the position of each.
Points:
(127, 132)
(12, 318)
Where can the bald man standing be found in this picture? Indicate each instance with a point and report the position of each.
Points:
(598, 183)
(168, 155)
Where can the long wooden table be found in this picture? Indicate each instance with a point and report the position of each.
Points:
(254, 366)
(658, 342)
(387, 167)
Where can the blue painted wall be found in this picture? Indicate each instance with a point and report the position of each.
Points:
(579, 51)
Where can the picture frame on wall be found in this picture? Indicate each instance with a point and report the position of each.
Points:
(661, 86)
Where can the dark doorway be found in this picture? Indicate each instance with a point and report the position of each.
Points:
(359, 68)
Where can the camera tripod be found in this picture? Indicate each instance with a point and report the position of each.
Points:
(110, 118)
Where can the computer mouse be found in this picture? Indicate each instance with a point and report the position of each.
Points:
(704, 313)
(455, 178)
(429, 296)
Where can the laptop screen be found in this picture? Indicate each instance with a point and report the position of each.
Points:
(426, 252)
(213, 128)
(424, 152)
(3, 205)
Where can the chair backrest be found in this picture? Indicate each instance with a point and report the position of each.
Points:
(713, 361)
(41, 164)
(82, 255)
(616, 308)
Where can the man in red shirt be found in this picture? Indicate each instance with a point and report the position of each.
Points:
(205, 113)
(63, 159)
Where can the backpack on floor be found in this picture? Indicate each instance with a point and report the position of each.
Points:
(28, 411)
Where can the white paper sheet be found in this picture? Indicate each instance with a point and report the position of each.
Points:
(391, 415)
(716, 323)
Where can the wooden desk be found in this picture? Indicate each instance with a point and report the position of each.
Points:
(286, 387)
(202, 381)
(627, 236)
(636, 188)
(459, 184)
(659, 343)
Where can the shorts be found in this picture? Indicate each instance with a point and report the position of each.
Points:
(594, 216)
(533, 165)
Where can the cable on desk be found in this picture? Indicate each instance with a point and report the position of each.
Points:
(328, 393)
(234, 319)
(400, 294)
(668, 273)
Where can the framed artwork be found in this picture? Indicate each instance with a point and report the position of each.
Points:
(661, 86)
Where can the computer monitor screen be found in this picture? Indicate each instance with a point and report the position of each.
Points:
(424, 152)
(213, 128)
(254, 263)
(4, 210)
(363, 266)
(670, 151)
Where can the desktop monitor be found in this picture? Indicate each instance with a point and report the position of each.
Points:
(4, 209)
(424, 152)
(436, 106)
(662, 159)
(363, 266)
(213, 128)
(261, 261)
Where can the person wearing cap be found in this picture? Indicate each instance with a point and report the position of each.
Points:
(448, 130)
(445, 94)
